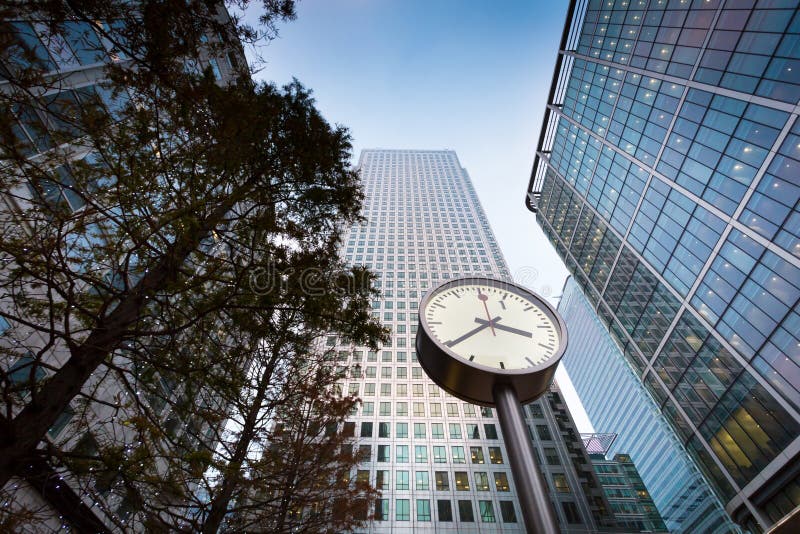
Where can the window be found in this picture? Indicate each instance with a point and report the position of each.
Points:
(433, 390)
(462, 480)
(369, 389)
(469, 410)
(383, 453)
(551, 456)
(402, 510)
(422, 480)
(402, 408)
(402, 454)
(437, 430)
(481, 481)
(402, 372)
(423, 510)
(473, 432)
(536, 410)
(386, 356)
(419, 409)
(416, 372)
(385, 408)
(501, 481)
(452, 409)
(507, 512)
(560, 482)
(368, 409)
(401, 480)
(455, 430)
(445, 510)
(476, 453)
(571, 512)
(491, 431)
(417, 390)
(402, 430)
(386, 372)
(458, 454)
(421, 453)
(439, 454)
(419, 430)
(442, 481)
(25, 373)
(383, 430)
(487, 511)
(402, 390)
(544, 433)
(370, 372)
(465, 511)
(365, 453)
(495, 455)
(386, 390)
(486, 412)
(436, 409)
(382, 509)
(349, 429)
(382, 479)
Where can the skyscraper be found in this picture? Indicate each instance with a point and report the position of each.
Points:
(666, 177)
(617, 402)
(441, 463)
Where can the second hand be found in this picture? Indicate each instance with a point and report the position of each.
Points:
(483, 298)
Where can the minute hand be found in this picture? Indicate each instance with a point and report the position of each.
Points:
(513, 330)
(484, 324)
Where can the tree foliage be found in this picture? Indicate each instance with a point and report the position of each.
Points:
(168, 261)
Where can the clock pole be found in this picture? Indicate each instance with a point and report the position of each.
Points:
(531, 489)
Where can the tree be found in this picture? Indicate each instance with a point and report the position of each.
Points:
(141, 211)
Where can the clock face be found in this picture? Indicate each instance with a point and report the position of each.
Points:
(493, 324)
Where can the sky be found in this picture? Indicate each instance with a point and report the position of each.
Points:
(466, 75)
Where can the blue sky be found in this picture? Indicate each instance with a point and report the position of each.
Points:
(466, 75)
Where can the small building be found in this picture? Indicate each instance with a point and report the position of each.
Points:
(630, 502)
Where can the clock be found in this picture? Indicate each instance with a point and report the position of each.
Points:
(475, 333)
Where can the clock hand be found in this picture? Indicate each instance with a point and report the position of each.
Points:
(506, 328)
(472, 332)
(483, 298)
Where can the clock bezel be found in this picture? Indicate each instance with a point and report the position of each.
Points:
(471, 381)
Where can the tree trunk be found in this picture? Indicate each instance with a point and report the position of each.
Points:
(233, 471)
(20, 436)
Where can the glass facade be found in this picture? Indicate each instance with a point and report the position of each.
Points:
(441, 463)
(616, 402)
(667, 179)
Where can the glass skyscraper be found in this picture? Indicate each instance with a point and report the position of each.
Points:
(616, 402)
(666, 176)
(440, 463)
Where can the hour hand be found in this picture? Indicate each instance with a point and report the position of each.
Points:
(484, 324)
(505, 328)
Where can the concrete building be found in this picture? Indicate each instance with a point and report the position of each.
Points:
(440, 462)
(631, 503)
(666, 178)
(73, 64)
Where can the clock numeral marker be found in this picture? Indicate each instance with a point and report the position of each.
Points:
(440, 305)
(471, 357)
(502, 365)
(456, 294)
(546, 346)
(543, 326)
(434, 322)
(503, 304)
(530, 361)
(528, 308)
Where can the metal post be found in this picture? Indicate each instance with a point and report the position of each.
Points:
(531, 489)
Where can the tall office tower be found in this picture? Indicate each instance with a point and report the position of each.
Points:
(616, 402)
(666, 176)
(73, 72)
(440, 462)
(630, 501)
